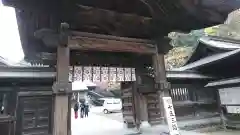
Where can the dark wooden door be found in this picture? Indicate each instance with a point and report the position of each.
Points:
(34, 115)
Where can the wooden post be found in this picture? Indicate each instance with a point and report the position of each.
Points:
(137, 108)
(161, 84)
(142, 101)
(144, 109)
(62, 88)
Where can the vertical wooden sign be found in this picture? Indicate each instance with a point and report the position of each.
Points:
(170, 116)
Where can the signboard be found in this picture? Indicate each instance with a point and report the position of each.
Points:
(170, 115)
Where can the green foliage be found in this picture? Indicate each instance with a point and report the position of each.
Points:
(182, 39)
(177, 57)
(183, 47)
(185, 43)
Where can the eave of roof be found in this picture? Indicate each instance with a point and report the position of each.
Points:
(220, 43)
(26, 72)
(45, 72)
(228, 81)
(208, 60)
(187, 75)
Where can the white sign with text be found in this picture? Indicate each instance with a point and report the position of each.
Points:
(170, 115)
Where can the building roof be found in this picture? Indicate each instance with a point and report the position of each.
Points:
(209, 45)
(122, 18)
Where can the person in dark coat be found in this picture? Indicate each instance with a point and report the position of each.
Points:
(82, 109)
(76, 107)
(86, 109)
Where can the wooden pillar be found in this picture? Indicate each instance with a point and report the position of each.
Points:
(136, 102)
(142, 101)
(161, 84)
(144, 110)
(62, 88)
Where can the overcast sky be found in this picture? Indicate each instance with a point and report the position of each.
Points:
(10, 44)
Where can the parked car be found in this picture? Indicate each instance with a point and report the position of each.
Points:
(111, 105)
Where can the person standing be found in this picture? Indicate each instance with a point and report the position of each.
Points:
(86, 109)
(76, 107)
(82, 107)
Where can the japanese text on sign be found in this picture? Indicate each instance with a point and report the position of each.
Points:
(170, 115)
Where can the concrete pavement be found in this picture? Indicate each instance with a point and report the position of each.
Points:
(102, 125)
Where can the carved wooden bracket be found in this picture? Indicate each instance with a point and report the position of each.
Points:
(52, 38)
(163, 45)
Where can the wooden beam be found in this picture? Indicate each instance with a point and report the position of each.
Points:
(89, 41)
(111, 22)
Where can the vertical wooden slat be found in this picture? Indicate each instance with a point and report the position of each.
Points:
(177, 94)
(174, 93)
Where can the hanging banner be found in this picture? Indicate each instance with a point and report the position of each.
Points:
(101, 74)
(133, 74)
(120, 75)
(127, 74)
(170, 115)
(87, 73)
(104, 74)
(78, 73)
(113, 74)
(96, 74)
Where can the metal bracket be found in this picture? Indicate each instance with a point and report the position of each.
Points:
(162, 85)
(62, 88)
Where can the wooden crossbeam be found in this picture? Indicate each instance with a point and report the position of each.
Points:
(89, 41)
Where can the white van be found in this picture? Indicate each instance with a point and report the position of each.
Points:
(111, 105)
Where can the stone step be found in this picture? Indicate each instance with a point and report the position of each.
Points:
(154, 123)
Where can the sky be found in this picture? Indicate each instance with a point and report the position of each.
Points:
(10, 44)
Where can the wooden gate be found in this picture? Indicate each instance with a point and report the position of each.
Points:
(34, 113)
